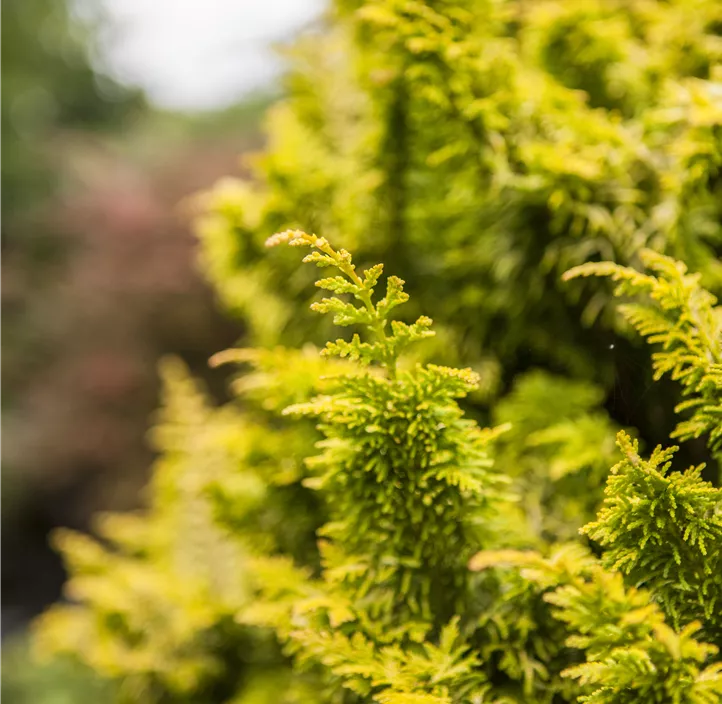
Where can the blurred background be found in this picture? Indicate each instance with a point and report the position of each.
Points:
(113, 111)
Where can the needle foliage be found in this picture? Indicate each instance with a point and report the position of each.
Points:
(486, 510)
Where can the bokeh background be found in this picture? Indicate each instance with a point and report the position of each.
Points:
(113, 112)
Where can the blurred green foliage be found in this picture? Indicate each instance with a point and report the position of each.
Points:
(447, 143)
(62, 681)
(97, 284)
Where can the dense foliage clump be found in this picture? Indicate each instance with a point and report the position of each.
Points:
(421, 589)
(347, 529)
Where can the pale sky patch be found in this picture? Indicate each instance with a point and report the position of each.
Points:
(201, 54)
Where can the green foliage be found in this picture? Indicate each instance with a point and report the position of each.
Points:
(473, 146)
(175, 567)
(388, 550)
(632, 655)
(407, 483)
(558, 450)
(406, 476)
(682, 318)
(384, 348)
(390, 611)
(664, 531)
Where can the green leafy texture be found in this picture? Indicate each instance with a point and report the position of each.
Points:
(184, 604)
(663, 531)
(275, 378)
(149, 614)
(290, 513)
(408, 483)
(385, 348)
(155, 608)
(480, 149)
(534, 137)
(682, 318)
(517, 634)
(424, 673)
(558, 451)
(632, 654)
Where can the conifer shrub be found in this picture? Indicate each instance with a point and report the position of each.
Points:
(480, 149)
(426, 583)
(462, 512)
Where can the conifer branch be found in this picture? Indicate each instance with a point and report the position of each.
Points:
(385, 348)
(684, 319)
(663, 531)
(406, 475)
